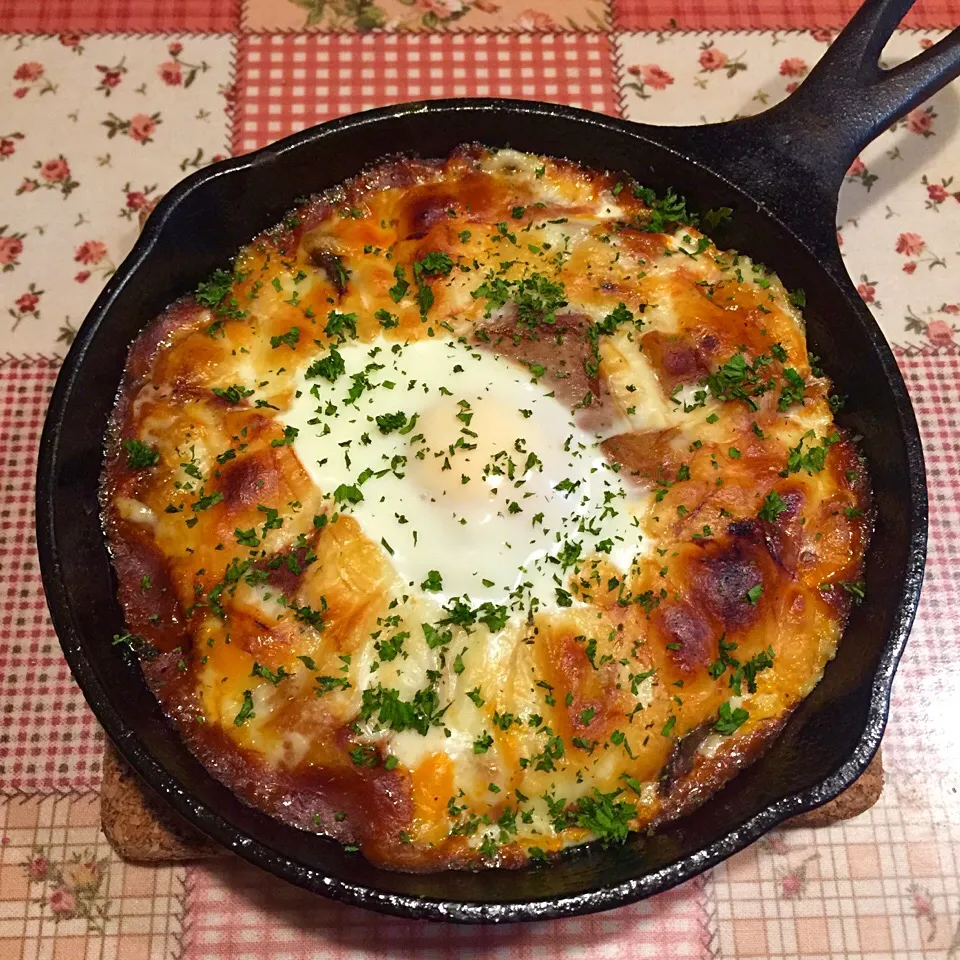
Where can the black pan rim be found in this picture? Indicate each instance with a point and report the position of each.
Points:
(312, 877)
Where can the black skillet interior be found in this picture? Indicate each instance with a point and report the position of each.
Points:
(201, 224)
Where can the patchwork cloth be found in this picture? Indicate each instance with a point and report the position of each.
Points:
(107, 103)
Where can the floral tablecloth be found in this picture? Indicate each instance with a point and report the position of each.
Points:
(106, 103)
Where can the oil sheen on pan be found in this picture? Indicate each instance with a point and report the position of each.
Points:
(482, 509)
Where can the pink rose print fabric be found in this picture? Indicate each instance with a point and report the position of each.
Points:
(92, 129)
(649, 76)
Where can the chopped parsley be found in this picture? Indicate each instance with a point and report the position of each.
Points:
(537, 298)
(206, 501)
(671, 208)
(856, 588)
(439, 638)
(434, 582)
(246, 711)
(210, 293)
(390, 648)
(363, 756)
(388, 422)
(289, 435)
(216, 294)
(259, 670)
(460, 613)
(730, 719)
(739, 380)
(717, 668)
(273, 522)
(607, 326)
(813, 459)
(754, 594)
(386, 319)
(792, 390)
(306, 614)
(756, 664)
(329, 367)
(432, 265)
(606, 816)
(424, 299)
(347, 493)
(546, 760)
(291, 338)
(338, 322)
(246, 538)
(233, 394)
(140, 455)
(773, 506)
(327, 684)
(740, 672)
(400, 288)
(385, 704)
(712, 218)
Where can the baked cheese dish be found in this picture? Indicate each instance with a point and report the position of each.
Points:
(481, 509)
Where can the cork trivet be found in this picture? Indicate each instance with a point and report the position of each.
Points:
(138, 824)
(142, 828)
(860, 796)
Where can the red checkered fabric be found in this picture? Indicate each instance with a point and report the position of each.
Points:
(765, 14)
(238, 911)
(288, 82)
(933, 377)
(927, 675)
(48, 737)
(135, 16)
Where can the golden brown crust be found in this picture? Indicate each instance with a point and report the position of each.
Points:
(706, 775)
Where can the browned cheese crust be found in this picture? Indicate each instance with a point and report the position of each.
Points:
(264, 607)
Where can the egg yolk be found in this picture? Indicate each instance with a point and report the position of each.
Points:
(468, 450)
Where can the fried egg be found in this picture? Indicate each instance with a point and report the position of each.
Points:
(465, 468)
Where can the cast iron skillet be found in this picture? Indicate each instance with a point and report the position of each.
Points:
(780, 172)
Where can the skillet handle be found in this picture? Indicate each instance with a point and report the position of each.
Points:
(849, 99)
(793, 157)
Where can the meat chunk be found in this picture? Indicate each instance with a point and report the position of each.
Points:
(145, 589)
(682, 756)
(332, 266)
(646, 456)
(691, 636)
(562, 349)
(677, 360)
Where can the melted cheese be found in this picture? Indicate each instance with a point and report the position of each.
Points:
(693, 585)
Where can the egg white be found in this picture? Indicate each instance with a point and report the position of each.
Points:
(467, 484)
